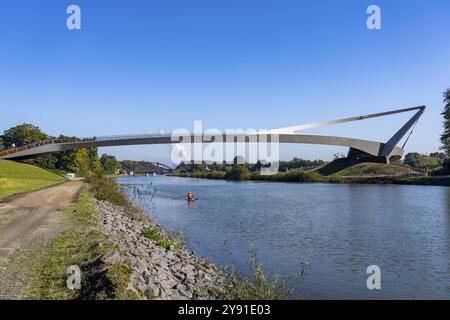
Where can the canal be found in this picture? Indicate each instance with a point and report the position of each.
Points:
(338, 229)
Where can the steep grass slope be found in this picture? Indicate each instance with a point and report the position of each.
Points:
(18, 177)
(373, 169)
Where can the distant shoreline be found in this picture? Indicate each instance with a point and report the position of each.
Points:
(443, 181)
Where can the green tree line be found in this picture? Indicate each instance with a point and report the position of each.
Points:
(81, 161)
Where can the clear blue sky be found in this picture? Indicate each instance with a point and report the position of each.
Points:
(142, 66)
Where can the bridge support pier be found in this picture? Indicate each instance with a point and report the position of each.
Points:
(361, 156)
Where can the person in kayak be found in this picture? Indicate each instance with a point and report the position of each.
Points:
(190, 196)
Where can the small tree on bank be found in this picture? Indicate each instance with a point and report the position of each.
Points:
(238, 172)
(445, 137)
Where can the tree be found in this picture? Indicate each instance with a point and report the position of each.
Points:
(2, 145)
(438, 155)
(445, 137)
(48, 161)
(200, 166)
(109, 163)
(129, 165)
(217, 166)
(93, 164)
(76, 161)
(426, 162)
(411, 159)
(421, 161)
(22, 135)
(81, 161)
(238, 172)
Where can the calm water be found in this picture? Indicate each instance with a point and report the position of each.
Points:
(338, 229)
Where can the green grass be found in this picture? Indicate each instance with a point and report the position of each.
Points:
(373, 169)
(82, 244)
(18, 177)
(157, 238)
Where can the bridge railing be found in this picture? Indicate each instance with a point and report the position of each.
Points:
(68, 140)
(38, 144)
(123, 137)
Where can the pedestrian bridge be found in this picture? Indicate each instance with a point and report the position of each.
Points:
(363, 150)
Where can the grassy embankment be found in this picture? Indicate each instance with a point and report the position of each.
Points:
(371, 169)
(18, 177)
(386, 173)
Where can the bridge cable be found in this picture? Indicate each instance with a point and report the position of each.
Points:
(409, 135)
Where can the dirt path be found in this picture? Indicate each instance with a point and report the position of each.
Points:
(27, 221)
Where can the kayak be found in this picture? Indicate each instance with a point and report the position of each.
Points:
(189, 199)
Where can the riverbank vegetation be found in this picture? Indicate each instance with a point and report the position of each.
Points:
(157, 238)
(410, 171)
(17, 178)
(85, 244)
(297, 170)
(260, 285)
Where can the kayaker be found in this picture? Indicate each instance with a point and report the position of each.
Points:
(190, 196)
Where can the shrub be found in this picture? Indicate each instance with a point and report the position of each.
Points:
(335, 179)
(216, 174)
(107, 190)
(157, 238)
(260, 285)
(238, 172)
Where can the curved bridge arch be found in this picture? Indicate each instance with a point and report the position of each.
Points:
(359, 148)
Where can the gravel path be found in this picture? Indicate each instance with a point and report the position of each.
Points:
(26, 221)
